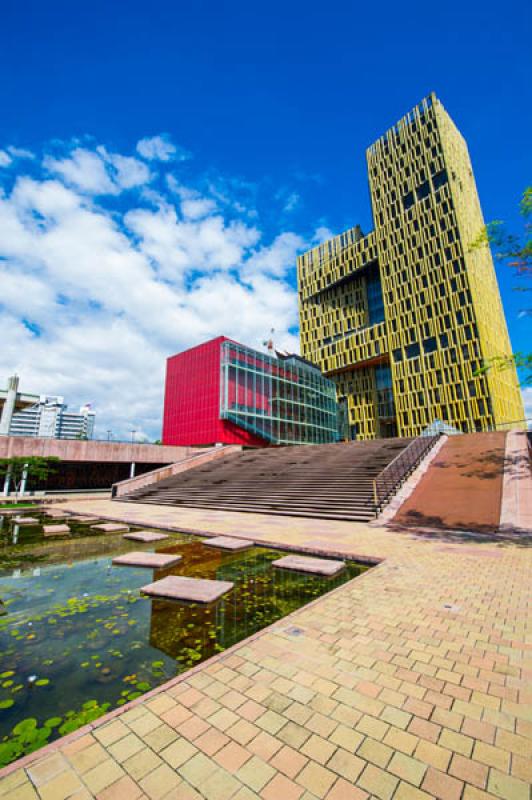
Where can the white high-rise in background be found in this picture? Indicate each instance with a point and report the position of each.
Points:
(42, 416)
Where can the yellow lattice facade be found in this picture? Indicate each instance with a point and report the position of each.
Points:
(404, 317)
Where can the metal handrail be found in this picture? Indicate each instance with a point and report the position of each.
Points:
(395, 473)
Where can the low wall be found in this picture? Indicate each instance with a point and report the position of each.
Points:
(81, 450)
(156, 475)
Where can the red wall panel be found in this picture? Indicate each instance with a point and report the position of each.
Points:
(192, 400)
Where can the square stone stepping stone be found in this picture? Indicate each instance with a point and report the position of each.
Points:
(9, 512)
(145, 536)
(84, 519)
(110, 527)
(150, 560)
(26, 520)
(57, 514)
(228, 543)
(196, 590)
(317, 566)
(55, 530)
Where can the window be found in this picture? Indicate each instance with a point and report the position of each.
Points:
(439, 179)
(423, 190)
(374, 297)
(429, 345)
(397, 355)
(408, 201)
(412, 350)
(444, 340)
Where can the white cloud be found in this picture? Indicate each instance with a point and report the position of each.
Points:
(84, 170)
(5, 159)
(100, 285)
(99, 172)
(126, 171)
(20, 152)
(161, 148)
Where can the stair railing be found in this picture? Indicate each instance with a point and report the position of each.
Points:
(397, 471)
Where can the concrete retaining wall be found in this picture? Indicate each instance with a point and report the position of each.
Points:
(80, 450)
(156, 475)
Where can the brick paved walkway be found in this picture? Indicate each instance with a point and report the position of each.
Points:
(410, 682)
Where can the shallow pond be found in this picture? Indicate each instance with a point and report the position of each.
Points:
(77, 638)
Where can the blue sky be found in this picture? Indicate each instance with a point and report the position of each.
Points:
(265, 112)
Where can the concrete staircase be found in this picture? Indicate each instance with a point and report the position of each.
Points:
(332, 481)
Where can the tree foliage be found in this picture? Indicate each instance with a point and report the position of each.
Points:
(37, 467)
(515, 252)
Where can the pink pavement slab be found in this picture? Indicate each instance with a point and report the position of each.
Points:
(9, 512)
(197, 590)
(26, 520)
(319, 566)
(145, 536)
(150, 560)
(55, 530)
(110, 527)
(84, 519)
(57, 514)
(228, 543)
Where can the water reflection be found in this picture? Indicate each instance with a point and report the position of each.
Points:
(81, 629)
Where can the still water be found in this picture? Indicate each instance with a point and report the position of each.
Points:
(78, 639)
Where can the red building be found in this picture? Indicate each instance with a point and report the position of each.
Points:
(192, 400)
(224, 392)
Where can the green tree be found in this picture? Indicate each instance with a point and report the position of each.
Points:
(515, 252)
(20, 467)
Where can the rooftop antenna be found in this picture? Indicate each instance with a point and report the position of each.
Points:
(269, 342)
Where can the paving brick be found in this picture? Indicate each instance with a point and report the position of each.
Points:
(281, 787)
(255, 773)
(232, 756)
(375, 752)
(160, 737)
(425, 730)
(197, 769)
(316, 779)
(218, 785)
(507, 787)
(125, 748)
(294, 735)
(401, 740)
(10, 782)
(178, 753)
(346, 737)
(456, 742)
(469, 771)
(100, 777)
(47, 768)
(491, 756)
(288, 761)
(160, 782)
(343, 790)
(522, 768)
(24, 791)
(124, 788)
(377, 782)
(107, 734)
(442, 786)
(408, 769)
(318, 749)
(372, 727)
(405, 791)
(346, 764)
(433, 754)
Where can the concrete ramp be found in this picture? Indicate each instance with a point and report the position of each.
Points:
(462, 488)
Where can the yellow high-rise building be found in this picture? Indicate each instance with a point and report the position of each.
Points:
(404, 318)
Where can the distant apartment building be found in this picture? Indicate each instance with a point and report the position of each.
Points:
(404, 318)
(42, 416)
(224, 392)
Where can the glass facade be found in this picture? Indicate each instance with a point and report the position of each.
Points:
(285, 401)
